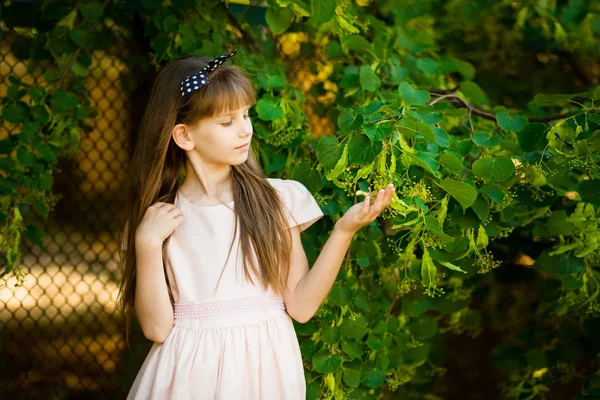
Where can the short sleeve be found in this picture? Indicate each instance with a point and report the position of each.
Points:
(302, 208)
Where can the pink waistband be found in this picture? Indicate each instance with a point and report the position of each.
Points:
(211, 308)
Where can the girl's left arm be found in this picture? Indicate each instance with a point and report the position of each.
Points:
(307, 288)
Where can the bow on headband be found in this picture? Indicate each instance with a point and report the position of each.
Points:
(199, 79)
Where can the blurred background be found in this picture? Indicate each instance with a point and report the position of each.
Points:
(60, 336)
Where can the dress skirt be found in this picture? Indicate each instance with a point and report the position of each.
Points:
(244, 348)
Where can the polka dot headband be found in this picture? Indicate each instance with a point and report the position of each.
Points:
(199, 79)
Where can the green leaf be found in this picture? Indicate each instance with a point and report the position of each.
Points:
(68, 21)
(161, 43)
(81, 38)
(348, 120)
(532, 137)
(473, 93)
(410, 128)
(428, 270)
(334, 50)
(481, 208)
(549, 99)
(307, 328)
(45, 152)
(482, 238)
(15, 113)
(329, 151)
(509, 123)
(559, 224)
(25, 157)
(92, 11)
(340, 295)
(495, 193)
(268, 110)
(498, 169)
(351, 376)
(355, 43)
(353, 348)
(374, 342)
(34, 234)
(300, 8)
(368, 79)
(37, 93)
(361, 150)
(426, 161)
(414, 307)
(451, 163)
(374, 379)
(308, 348)
(79, 70)
(313, 391)
(398, 73)
(171, 24)
(452, 266)
(279, 19)
(462, 192)
(412, 96)
(14, 92)
(562, 264)
(589, 190)
(330, 334)
(64, 101)
(354, 329)
(276, 82)
(340, 165)
(428, 66)
(309, 176)
(423, 328)
(321, 11)
(441, 137)
(451, 64)
(326, 363)
(485, 140)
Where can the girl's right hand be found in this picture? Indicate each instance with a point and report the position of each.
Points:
(159, 222)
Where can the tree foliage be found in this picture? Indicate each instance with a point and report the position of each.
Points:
(353, 95)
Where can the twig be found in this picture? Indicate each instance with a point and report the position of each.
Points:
(459, 102)
(250, 44)
(471, 165)
(62, 78)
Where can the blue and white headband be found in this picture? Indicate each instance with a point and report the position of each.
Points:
(199, 79)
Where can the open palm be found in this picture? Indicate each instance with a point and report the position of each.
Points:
(365, 212)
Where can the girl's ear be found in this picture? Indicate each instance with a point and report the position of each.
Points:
(182, 136)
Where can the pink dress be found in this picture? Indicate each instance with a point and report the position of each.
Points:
(237, 342)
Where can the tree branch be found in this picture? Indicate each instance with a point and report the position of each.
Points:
(249, 42)
(459, 102)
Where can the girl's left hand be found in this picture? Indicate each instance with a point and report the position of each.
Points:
(364, 212)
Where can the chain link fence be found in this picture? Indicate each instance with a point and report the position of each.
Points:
(60, 336)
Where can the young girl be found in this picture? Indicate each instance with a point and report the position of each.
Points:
(214, 266)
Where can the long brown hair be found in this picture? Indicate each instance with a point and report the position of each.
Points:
(158, 165)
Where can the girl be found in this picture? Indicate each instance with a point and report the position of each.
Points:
(220, 321)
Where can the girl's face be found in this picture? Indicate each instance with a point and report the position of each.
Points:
(218, 139)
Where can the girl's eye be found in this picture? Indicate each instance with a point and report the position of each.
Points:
(229, 123)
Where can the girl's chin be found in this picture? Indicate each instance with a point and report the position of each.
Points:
(240, 160)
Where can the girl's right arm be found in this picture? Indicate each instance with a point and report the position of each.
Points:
(152, 303)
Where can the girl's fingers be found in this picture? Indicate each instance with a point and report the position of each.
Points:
(380, 200)
(384, 198)
(366, 205)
